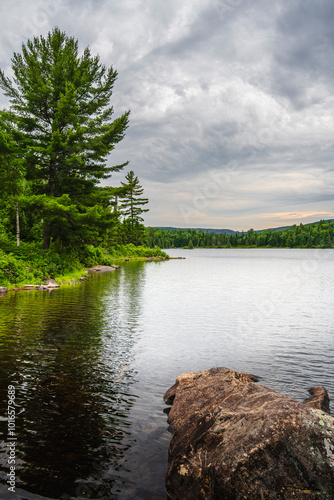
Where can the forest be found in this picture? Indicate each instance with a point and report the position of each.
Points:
(57, 213)
(315, 235)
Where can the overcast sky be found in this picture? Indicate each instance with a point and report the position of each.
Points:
(232, 103)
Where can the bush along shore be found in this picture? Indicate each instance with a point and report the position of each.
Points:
(27, 266)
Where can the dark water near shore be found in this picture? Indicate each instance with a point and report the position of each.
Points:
(91, 362)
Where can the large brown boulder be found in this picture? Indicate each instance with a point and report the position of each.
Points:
(236, 439)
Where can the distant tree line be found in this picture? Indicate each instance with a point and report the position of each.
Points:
(316, 235)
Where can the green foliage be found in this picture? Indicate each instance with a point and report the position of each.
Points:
(131, 250)
(30, 265)
(60, 108)
(60, 125)
(11, 269)
(91, 256)
(316, 235)
(131, 201)
(12, 178)
(131, 210)
(27, 264)
(55, 142)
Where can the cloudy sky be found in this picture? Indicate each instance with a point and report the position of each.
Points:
(232, 103)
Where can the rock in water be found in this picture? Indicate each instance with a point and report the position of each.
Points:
(103, 269)
(235, 439)
(50, 283)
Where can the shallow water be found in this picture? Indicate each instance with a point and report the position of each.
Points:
(91, 362)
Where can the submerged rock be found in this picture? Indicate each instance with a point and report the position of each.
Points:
(236, 439)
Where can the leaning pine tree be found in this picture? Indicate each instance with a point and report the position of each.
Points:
(62, 119)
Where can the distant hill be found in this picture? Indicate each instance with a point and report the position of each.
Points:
(281, 228)
(289, 227)
(231, 231)
(312, 235)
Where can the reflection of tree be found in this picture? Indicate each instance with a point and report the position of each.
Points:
(68, 353)
(61, 428)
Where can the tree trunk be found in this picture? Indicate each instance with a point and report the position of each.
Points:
(17, 223)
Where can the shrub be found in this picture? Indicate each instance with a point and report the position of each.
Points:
(11, 270)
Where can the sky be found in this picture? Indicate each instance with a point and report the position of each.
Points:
(232, 102)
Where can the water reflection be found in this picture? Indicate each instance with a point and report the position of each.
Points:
(91, 363)
(68, 354)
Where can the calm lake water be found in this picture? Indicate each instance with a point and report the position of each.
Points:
(90, 362)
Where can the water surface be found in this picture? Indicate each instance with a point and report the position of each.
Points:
(91, 362)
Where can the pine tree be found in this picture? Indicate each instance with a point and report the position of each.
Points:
(62, 118)
(131, 209)
(132, 203)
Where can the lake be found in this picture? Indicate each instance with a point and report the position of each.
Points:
(90, 362)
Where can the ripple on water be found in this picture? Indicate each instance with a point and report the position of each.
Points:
(91, 363)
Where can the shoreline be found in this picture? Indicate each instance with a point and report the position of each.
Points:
(50, 284)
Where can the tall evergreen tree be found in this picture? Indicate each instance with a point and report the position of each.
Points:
(131, 208)
(62, 118)
(132, 203)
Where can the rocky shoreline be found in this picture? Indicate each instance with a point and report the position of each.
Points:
(51, 284)
(236, 439)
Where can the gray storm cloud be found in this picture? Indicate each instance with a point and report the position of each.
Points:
(232, 110)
